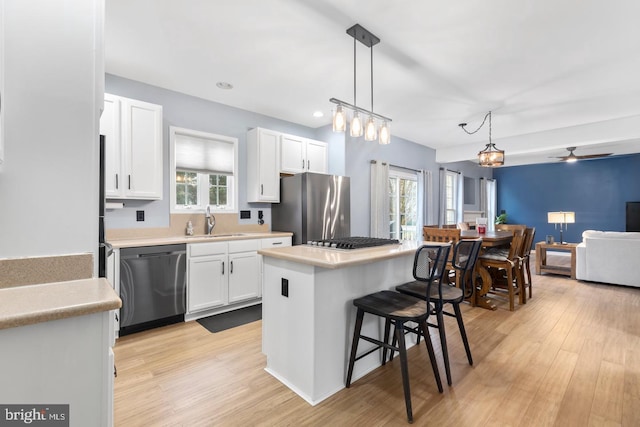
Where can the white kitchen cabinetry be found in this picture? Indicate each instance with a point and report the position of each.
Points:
(133, 148)
(263, 166)
(222, 273)
(206, 280)
(299, 154)
(275, 242)
(244, 271)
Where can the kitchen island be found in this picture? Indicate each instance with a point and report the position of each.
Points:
(308, 315)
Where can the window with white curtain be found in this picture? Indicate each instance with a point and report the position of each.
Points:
(403, 205)
(451, 197)
(203, 170)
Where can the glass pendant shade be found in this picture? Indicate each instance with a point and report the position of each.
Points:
(491, 156)
(385, 133)
(339, 120)
(356, 125)
(370, 130)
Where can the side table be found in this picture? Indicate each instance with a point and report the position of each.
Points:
(541, 258)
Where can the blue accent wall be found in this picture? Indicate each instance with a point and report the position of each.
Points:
(596, 190)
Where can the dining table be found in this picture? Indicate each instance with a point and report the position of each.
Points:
(489, 239)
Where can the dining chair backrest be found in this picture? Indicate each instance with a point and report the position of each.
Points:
(430, 234)
(517, 243)
(529, 233)
(510, 227)
(429, 265)
(465, 256)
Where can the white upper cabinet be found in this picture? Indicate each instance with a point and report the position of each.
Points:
(299, 154)
(317, 159)
(263, 166)
(133, 134)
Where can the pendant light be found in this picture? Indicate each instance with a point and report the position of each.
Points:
(339, 119)
(490, 156)
(357, 128)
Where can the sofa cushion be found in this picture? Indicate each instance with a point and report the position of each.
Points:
(593, 234)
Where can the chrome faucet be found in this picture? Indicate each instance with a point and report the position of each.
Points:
(210, 220)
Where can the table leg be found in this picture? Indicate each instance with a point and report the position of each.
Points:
(481, 294)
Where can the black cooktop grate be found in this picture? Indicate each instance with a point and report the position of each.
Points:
(353, 242)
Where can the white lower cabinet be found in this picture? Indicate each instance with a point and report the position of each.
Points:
(222, 273)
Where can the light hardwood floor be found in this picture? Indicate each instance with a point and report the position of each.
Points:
(569, 357)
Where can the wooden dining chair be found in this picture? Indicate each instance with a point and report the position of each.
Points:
(510, 227)
(529, 233)
(506, 269)
(443, 235)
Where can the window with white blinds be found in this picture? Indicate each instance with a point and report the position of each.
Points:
(207, 155)
(204, 166)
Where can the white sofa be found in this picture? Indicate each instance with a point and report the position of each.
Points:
(609, 257)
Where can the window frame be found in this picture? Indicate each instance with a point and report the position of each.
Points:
(397, 175)
(454, 196)
(203, 178)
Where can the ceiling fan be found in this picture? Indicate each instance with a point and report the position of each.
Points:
(573, 158)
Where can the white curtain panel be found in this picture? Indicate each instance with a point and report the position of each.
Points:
(492, 202)
(483, 197)
(442, 216)
(379, 200)
(425, 200)
(489, 201)
(460, 198)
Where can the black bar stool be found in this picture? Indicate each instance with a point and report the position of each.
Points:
(464, 260)
(397, 309)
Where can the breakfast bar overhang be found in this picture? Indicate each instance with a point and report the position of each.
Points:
(308, 315)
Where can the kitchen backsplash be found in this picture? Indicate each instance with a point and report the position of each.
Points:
(225, 223)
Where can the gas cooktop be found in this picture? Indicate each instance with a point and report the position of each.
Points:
(352, 242)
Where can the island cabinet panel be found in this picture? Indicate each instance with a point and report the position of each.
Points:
(67, 361)
(309, 317)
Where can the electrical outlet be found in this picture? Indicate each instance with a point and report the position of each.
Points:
(245, 214)
(139, 215)
(284, 287)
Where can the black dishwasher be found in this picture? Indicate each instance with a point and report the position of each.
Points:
(152, 286)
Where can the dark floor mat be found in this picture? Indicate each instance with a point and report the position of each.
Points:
(231, 319)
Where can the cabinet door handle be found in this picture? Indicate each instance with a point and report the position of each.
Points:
(276, 243)
(116, 181)
(231, 268)
(222, 267)
(302, 163)
(308, 165)
(261, 189)
(129, 182)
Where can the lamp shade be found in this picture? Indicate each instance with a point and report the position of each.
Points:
(561, 217)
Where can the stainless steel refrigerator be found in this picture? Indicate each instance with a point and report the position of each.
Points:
(313, 206)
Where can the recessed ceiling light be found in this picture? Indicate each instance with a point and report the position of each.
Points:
(318, 114)
(224, 85)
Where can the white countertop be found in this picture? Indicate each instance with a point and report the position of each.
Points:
(339, 258)
(154, 241)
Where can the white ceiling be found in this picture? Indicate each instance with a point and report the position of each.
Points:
(554, 73)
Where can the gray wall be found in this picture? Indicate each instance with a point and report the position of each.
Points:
(196, 113)
(475, 172)
(350, 157)
(399, 153)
